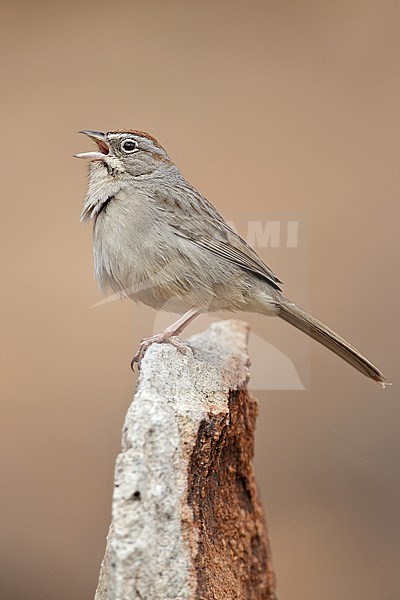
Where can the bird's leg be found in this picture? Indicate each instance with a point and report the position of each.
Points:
(167, 336)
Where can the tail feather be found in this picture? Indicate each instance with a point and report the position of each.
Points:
(328, 338)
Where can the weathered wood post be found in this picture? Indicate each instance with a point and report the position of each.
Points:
(187, 522)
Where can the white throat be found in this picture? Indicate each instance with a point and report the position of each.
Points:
(102, 187)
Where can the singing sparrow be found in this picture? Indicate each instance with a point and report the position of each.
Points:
(157, 240)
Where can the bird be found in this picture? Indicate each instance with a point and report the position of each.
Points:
(157, 240)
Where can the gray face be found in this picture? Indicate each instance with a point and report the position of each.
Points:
(133, 152)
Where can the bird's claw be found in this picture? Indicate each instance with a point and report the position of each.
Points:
(159, 338)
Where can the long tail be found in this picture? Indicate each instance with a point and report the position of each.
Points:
(325, 336)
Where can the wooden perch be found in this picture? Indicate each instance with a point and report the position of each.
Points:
(187, 521)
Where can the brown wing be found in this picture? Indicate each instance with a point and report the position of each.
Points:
(201, 224)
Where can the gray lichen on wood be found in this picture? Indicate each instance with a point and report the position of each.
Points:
(187, 522)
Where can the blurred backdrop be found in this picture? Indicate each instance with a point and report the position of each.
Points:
(287, 107)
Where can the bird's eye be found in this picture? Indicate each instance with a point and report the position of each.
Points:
(129, 146)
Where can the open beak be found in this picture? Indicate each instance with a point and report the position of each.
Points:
(102, 144)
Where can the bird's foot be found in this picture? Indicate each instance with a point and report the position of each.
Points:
(159, 338)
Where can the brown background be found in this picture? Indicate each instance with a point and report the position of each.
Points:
(281, 106)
